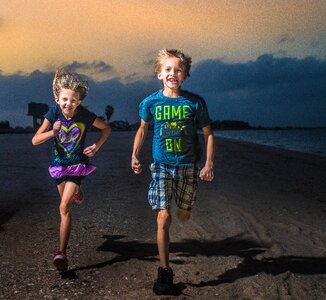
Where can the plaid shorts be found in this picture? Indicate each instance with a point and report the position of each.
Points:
(168, 181)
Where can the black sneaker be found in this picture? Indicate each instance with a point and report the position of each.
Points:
(164, 282)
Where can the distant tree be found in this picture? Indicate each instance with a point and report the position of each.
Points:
(4, 125)
(108, 112)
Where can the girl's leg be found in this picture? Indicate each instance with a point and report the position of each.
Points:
(163, 237)
(67, 191)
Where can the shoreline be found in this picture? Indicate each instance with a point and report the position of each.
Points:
(292, 140)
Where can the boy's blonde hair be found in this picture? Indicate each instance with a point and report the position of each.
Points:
(71, 81)
(165, 53)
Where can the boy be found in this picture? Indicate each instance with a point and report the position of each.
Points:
(175, 114)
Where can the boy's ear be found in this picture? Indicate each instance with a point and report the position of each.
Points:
(159, 76)
(56, 100)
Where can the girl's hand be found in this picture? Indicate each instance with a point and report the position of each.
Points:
(56, 127)
(91, 150)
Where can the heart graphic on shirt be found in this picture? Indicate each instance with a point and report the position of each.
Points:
(69, 137)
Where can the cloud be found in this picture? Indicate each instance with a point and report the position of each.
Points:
(266, 71)
(268, 91)
(285, 39)
(95, 66)
(98, 70)
(17, 90)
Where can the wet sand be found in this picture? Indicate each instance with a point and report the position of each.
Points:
(257, 232)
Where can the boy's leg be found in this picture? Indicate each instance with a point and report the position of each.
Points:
(67, 191)
(183, 215)
(159, 196)
(163, 236)
(186, 190)
(164, 281)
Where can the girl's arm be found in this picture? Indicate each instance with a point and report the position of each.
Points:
(43, 133)
(206, 172)
(105, 132)
(138, 143)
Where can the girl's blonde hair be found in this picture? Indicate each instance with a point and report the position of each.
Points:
(165, 53)
(71, 81)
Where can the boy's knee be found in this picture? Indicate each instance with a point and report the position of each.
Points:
(183, 215)
(163, 219)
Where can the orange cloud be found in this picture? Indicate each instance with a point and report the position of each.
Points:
(122, 33)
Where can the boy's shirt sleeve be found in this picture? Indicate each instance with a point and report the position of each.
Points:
(202, 113)
(144, 111)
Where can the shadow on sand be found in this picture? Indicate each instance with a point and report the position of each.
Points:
(5, 216)
(273, 266)
(239, 245)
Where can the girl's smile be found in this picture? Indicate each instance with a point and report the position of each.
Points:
(68, 101)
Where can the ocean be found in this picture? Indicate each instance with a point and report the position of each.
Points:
(301, 140)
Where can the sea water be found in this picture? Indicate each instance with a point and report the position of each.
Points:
(301, 140)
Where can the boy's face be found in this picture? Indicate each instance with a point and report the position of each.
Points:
(68, 101)
(171, 73)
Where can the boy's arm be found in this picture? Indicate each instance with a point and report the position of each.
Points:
(206, 172)
(138, 143)
(43, 133)
(105, 132)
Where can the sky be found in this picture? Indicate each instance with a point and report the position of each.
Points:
(258, 61)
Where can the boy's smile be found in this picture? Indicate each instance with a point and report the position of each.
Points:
(172, 75)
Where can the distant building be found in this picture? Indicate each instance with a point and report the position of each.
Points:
(37, 111)
(230, 124)
(120, 126)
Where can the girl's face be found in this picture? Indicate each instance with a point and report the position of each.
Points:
(171, 74)
(68, 101)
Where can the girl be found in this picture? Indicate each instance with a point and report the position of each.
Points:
(70, 164)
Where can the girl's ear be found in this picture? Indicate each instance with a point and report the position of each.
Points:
(56, 100)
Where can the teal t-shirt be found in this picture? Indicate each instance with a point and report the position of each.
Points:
(175, 140)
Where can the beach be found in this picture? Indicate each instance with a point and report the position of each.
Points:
(258, 231)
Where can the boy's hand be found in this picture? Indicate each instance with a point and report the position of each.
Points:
(136, 166)
(90, 150)
(56, 127)
(206, 174)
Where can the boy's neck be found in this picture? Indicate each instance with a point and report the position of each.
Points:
(172, 93)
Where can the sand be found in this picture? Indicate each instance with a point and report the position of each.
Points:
(257, 232)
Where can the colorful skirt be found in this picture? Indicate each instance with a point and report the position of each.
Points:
(74, 170)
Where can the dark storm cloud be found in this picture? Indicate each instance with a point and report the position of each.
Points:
(269, 91)
(16, 91)
(266, 71)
